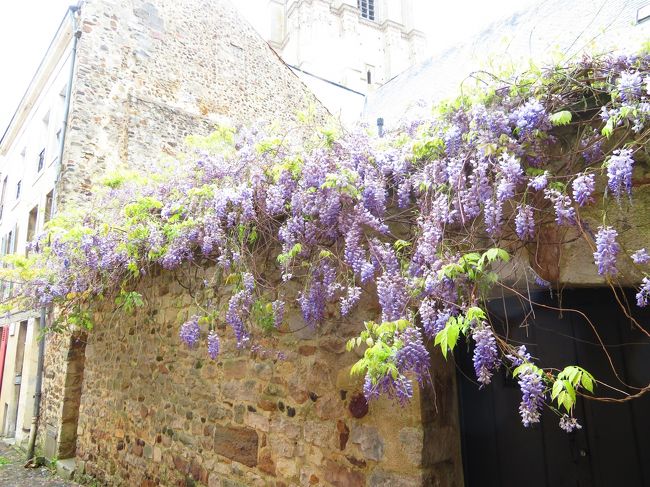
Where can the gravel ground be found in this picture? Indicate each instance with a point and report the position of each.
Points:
(13, 474)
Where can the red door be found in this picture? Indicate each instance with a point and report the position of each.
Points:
(3, 351)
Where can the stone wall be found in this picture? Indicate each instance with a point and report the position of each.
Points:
(149, 73)
(63, 369)
(156, 413)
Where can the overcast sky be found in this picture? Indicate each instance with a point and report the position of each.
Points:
(27, 27)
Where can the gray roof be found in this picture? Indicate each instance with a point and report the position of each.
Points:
(544, 32)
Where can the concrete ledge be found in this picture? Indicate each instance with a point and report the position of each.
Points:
(65, 468)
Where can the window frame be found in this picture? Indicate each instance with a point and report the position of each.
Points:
(367, 9)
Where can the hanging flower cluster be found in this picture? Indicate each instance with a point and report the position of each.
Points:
(419, 217)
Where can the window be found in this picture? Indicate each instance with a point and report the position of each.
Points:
(643, 14)
(31, 227)
(2, 196)
(369, 77)
(18, 189)
(9, 247)
(48, 207)
(367, 9)
(41, 160)
(45, 128)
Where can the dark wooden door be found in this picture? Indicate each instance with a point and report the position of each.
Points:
(613, 447)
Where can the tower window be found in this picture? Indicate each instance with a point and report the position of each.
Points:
(41, 160)
(369, 77)
(367, 9)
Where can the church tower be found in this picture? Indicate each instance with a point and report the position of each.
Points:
(359, 44)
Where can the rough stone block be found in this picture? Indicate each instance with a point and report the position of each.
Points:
(257, 421)
(318, 433)
(238, 444)
(411, 441)
(340, 476)
(379, 478)
(370, 442)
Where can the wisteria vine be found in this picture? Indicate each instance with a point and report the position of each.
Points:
(422, 219)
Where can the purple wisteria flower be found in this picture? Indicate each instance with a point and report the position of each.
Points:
(349, 301)
(213, 345)
(510, 175)
(541, 282)
(493, 217)
(393, 297)
(519, 356)
(565, 214)
(644, 293)
(532, 395)
(619, 172)
(248, 281)
(530, 117)
(606, 251)
(538, 183)
(583, 187)
(428, 314)
(569, 424)
(629, 85)
(641, 257)
(190, 332)
(321, 290)
(238, 311)
(525, 222)
(374, 195)
(413, 356)
(486, 358)
(399, 388)
(278, 312)
(592, 148)
(433, 319)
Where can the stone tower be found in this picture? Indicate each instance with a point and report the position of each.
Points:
(359, 44)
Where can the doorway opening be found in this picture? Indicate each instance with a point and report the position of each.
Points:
(613, 446)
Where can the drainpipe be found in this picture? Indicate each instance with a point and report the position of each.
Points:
(380, 127)
(72, 10)
(39, 382)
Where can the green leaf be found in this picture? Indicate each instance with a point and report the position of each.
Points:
(441, 339)
(518, 370)
(475, 313)
(587, 382)
(452, 336)
(401, 244)
(503, 255)
(472, 257)
(295, 250)
(534, 171)
(570, 390)
(561, 118)
(451, 270)
(359, 367)
(608, 129)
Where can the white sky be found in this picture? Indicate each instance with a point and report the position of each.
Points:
(27, 27)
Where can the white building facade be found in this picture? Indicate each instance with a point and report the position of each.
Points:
(29, 163)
